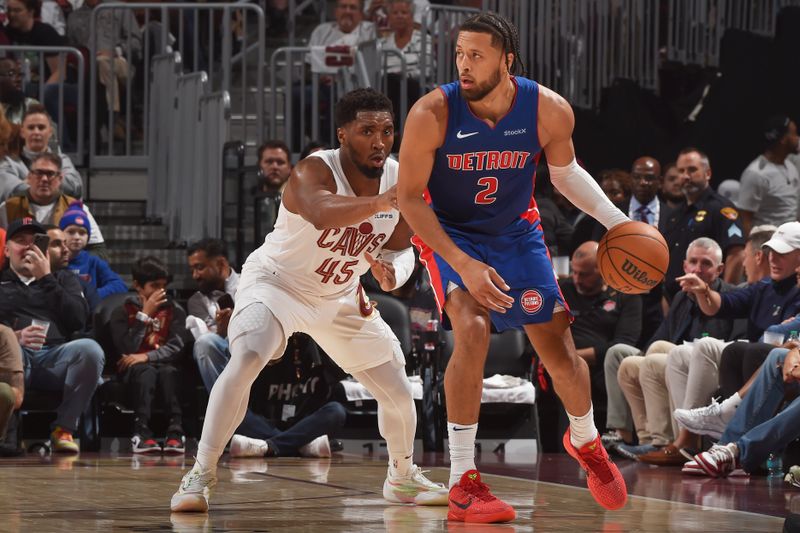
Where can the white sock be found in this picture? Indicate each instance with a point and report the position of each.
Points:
(207, 458)
(400, 464)
(462, 449)
(582, 429)
(729, 405)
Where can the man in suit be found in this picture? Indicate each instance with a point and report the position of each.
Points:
(645, 206)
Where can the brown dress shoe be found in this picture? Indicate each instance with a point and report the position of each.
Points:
(669, 455)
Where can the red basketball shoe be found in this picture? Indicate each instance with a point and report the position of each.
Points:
(605, 482)
(471, 501)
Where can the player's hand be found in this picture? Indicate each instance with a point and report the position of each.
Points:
(382, 271)
(791, 366)
(37, 262)
(387, 201)
(156, 300)
(223, 318)
(691, 283)
(31, 337)
(486, 286)
(127, 361)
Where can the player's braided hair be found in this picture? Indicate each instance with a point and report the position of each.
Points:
(503, 32)
(364, 99)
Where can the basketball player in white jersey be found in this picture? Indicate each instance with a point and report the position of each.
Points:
(338, 219)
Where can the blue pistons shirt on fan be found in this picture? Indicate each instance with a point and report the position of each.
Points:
(481, 189)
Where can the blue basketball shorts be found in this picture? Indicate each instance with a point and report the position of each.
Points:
(520, 257)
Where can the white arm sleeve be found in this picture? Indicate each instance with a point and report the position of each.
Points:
(584, 192)
(403, 263)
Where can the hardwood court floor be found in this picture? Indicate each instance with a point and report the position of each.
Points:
(122, 493)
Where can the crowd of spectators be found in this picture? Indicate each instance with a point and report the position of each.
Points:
(719, 324)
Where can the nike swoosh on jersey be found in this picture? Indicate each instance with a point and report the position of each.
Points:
(465, 135)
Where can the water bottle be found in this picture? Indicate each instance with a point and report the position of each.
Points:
(775, 465)
(793, 337)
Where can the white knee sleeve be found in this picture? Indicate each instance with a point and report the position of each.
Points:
(255, 329)
(397, 415)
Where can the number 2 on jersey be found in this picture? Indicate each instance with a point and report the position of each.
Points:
(328, 271)
(486, 196)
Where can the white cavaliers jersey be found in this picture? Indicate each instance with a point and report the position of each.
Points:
(327, 262)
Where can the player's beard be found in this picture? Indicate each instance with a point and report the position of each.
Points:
(373, 173)
(481, 90)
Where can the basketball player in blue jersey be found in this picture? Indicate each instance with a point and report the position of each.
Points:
(466, 184)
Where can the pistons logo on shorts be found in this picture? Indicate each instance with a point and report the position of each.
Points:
(531, 301)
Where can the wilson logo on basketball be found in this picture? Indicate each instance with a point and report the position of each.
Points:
(531, 301)
(638, 274)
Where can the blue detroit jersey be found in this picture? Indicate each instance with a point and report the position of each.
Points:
(483, 177)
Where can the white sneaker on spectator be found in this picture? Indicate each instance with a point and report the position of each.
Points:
(691, 468)
(708, 420)
(719, 461)
(242, 446)
(415, 488)
(610, 438)
(194, 491)
(319, 447)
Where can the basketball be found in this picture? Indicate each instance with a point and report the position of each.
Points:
(633, 257)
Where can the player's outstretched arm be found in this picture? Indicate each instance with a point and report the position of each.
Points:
(311, 193)
(556, 122)
(424, 132)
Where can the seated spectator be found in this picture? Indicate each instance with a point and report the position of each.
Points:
(311, 147)
(95, 271)
(692, 371)
(8, 179)
(755, 430)
(30, 291)
(24, 29)
(644, 206)
(349, 28)
(44, 200)
(59, 260)
(256, 436)
(704, 214)
(671, 192)
(379, 12)
(407, 40)
(274, 168)
(36, 132)
(116, 31)
(603, 316)
(149, 332)
(635, 382)
(14, 101)
(52, 15)
(617, 184)
(769, 184)
(12, 383)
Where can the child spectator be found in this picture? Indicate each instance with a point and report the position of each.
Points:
(89, 268)
(148, 332)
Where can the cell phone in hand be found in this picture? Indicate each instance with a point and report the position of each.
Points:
(42, 241)
(225, 301)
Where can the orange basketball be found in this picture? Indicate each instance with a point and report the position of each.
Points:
(633, 257)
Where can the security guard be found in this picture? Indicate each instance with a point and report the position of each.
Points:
(705, 214)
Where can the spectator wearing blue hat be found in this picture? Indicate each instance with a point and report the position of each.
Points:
(75, 224)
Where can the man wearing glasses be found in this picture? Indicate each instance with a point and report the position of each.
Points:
(45, 202)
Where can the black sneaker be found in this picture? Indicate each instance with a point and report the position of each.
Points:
(175, 445)
(148, 445)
